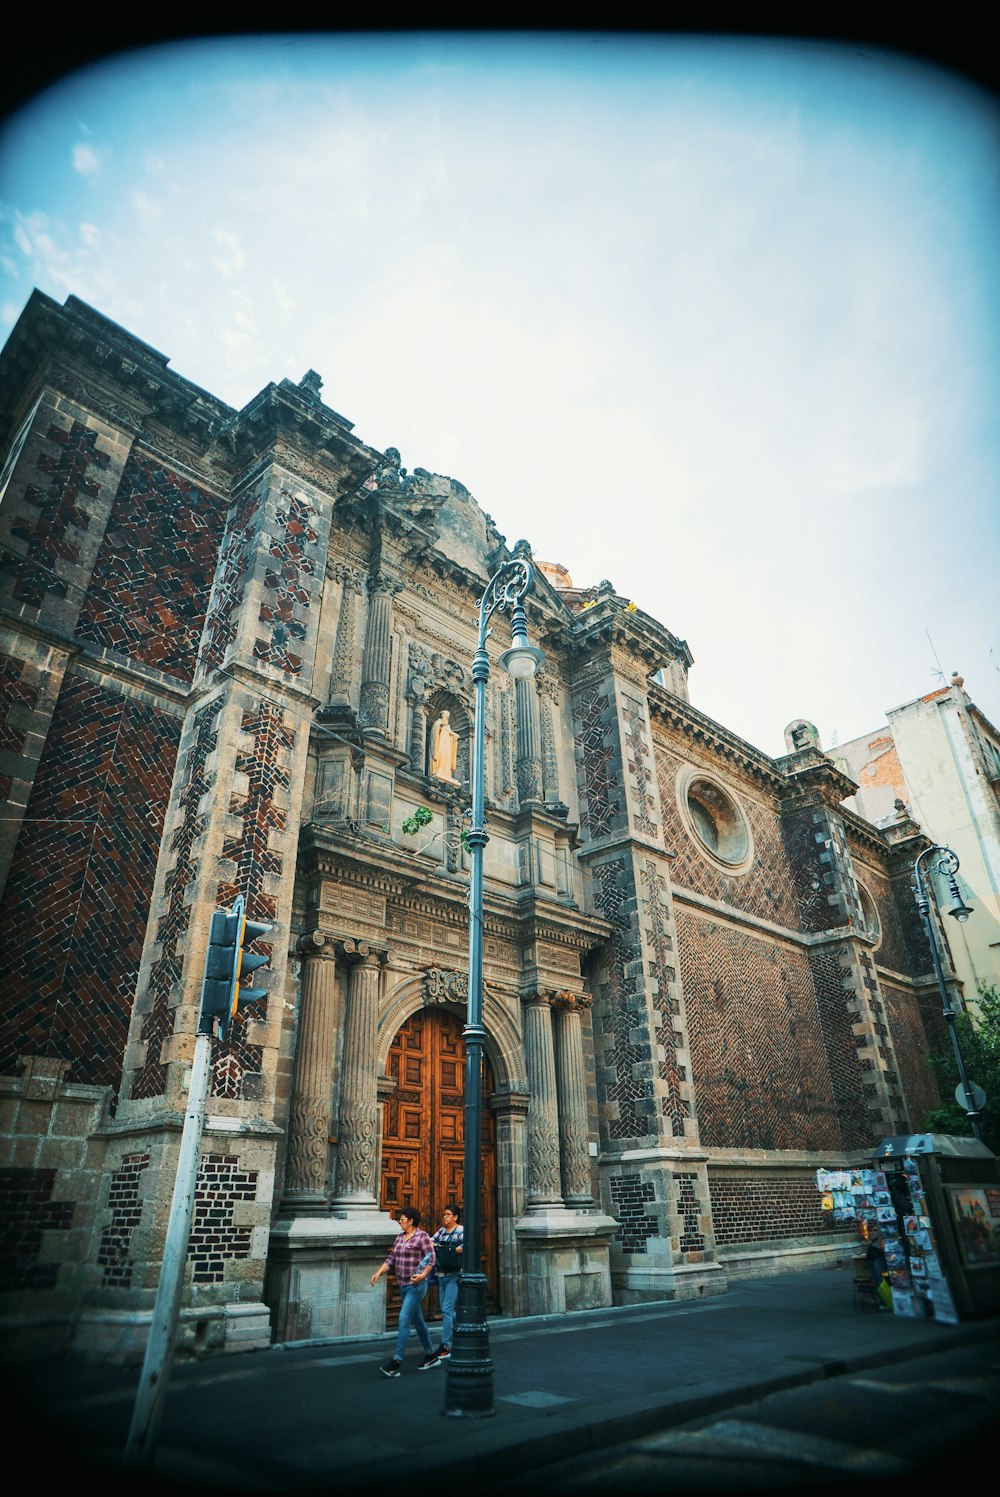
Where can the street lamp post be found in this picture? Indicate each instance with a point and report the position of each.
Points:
(469, 1379)
(947, 865)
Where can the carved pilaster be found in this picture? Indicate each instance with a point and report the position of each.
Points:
(529, 742)
(544, 1187)
(571, 1085)
(550, 766)
(306, 1184)
(345, 650)
(418, 737)
(376, 665)
(358, 1131)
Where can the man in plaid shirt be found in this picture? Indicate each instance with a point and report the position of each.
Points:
(411, 1259)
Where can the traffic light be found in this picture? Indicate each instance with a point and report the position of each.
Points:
(228, 965)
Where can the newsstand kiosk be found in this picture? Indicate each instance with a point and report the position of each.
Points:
(946, 1194)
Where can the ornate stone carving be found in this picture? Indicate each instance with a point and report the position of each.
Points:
(359, 1099)
(431, 670)
(571, 1086)
(441, 986)
(543, 1124)
(309, 1123)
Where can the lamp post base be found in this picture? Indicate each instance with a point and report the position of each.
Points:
(468, 1390)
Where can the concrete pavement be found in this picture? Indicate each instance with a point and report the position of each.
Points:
(320, 1416)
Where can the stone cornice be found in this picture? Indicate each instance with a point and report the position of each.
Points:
(411, 884)
(612, 622)
(811, 776)
(683, 718)
(77, 336)
(286, 414)
(870, 837)
(55, 342)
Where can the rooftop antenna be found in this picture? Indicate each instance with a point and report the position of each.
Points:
(939, 672)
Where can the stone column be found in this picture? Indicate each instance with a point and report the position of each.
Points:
(418, 736)
(344, 651)
(544, 1187)
(307, 1178)
(550, 767)
(571, 1086)
(377, 662)
(357, 1155)
(529, 743)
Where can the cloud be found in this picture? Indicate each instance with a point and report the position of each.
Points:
(86, 160)
(90, 235)
(234, 259)
(149, 210)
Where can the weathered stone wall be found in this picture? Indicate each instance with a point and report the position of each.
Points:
(758, 1049)
(51, 1174)
(74, 911)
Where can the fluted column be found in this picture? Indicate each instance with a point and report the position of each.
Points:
(344, 654)
(308, 1172)
(571, 1087)
(544, 1187)
(357, 1155)
(418, 737)
(377, 661)
(529, 742)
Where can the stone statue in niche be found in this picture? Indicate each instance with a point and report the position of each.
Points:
(444, 749)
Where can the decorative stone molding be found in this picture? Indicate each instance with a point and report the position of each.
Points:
(544, 1188)
(307, 1181)
(441, 986)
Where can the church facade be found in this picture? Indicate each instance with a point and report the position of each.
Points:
(236, 653)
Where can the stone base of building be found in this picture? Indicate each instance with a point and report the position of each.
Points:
(565, 1259)
(319, 1275)
(759, 1261)
(23, 1337)
(679, 1281)
(121, 1335)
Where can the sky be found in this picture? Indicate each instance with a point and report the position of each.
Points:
(717, 319)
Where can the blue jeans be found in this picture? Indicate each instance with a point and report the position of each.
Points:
(411, 1317)
(447, 1298)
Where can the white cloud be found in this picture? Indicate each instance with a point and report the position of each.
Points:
(233, 259)
(90, 235)
(86, 160)
(149, 210)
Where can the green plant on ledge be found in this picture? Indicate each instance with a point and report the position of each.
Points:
(421, 817)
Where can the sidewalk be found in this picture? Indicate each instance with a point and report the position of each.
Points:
(319, 1416)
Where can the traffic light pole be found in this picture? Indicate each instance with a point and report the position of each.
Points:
(148, 1412)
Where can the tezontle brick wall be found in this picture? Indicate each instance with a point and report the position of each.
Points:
(765, 1207)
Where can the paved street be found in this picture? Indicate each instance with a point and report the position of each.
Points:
(319, 1417)
(888, 1426)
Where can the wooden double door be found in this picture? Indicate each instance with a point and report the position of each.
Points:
(423, 1136)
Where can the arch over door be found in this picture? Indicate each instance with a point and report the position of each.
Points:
(423, 1133)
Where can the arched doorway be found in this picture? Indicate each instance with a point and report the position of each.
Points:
(423, 1136)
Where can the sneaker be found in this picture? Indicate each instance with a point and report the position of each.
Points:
(442, 1352)
(391, 1368)
(431, 1360)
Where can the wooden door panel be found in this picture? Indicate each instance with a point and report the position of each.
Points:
(423, 1136)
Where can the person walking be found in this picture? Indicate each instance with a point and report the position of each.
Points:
(411, 1259)
(448, 1241)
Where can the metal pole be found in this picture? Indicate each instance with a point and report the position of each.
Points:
(923, 904)
(148, 1412)
(469, 1378)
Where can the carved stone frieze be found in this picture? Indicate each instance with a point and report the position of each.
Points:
(430, 670)
(352, 577)
(441, 986)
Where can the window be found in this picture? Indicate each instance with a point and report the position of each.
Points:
(715, 820)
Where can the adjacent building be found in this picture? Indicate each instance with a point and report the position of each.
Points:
(235, 649)
(938, 760)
